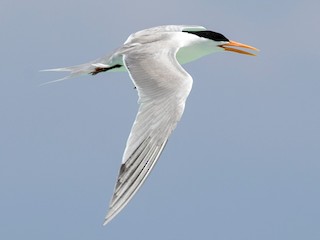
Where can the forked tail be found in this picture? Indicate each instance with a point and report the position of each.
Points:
(92, 68)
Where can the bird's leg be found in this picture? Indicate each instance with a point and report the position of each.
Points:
(98, 70)
(104, 69)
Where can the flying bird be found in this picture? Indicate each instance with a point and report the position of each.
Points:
(153, 59)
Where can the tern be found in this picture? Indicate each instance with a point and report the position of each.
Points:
(153, 59)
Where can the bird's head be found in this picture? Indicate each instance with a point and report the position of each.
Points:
(224, 43)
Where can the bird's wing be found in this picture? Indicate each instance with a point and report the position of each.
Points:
(163, 86)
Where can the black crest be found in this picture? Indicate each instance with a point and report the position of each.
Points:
(210, 35)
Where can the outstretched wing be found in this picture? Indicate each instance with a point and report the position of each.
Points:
(163, 86)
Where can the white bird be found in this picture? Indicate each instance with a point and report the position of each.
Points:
(153, 58)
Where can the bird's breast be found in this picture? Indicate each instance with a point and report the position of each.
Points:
(194, 51)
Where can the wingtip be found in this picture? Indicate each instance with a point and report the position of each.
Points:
(107, 219)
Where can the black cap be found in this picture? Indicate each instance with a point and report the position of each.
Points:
(210, 35)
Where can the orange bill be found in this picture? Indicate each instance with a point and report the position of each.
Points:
(231, 44)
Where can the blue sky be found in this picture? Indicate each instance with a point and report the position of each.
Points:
(243, 162)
